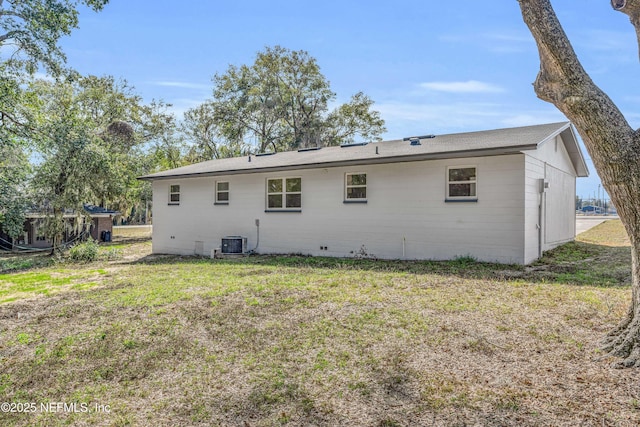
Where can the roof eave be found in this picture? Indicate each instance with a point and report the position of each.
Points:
(570, 141)
(575, 153)
(515, 149)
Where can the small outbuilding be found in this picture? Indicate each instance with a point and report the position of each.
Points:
(101, 223)
(502, 195)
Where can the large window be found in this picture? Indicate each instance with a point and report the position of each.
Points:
(284, 194)
(222, 193)
(355, 187)
(462, 183)
(174, 194)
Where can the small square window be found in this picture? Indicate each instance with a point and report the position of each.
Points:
(174, 194)
(462, 183)
(356, 187)
(222, 192)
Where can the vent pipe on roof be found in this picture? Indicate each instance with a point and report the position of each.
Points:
(415, 140)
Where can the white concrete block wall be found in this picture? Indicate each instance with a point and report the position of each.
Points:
(552, 163)
(534, 172)
(406, 215)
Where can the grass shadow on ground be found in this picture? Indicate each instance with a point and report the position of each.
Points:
(576, 263)
(598, 257)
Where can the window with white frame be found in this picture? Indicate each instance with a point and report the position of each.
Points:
(355, 187)
(174, 194)
(462, 183)
(222, 192)
(284, 194)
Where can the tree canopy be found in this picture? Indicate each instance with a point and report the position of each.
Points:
(32, 29)
(29, 35)
(90, 136)
(280, 102)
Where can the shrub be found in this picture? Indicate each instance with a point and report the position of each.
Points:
(464, 260)
(85, 251)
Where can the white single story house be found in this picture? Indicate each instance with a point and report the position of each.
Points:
(501, 195)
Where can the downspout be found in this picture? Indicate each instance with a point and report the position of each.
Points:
(542, 189)
(539, 225)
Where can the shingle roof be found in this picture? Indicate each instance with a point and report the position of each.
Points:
(92, 210)
(98, 210)
(481, 143)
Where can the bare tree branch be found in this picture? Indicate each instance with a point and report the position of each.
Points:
(12, 13)
(11, 35)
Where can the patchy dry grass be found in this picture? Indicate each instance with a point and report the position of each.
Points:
(128, 232)
(267, 341)
(609, 233)
(599, 256)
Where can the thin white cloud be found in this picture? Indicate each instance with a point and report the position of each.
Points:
(183, 85)
(506, 42)
(519, 37)
(470, 86)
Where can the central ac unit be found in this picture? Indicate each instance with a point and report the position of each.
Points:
(234, 245)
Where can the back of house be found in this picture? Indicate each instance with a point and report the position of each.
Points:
(501, 195)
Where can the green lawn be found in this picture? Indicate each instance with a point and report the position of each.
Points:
(267, 341)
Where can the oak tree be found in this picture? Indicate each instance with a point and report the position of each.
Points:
(31, 30)
(612, 143)
(90, 140)
(29, 35)
(280, 102)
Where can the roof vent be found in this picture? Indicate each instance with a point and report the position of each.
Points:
(354, 144)
(270, 153)
(300, 150)
(415, 140)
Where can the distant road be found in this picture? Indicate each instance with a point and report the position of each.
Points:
(585, 222)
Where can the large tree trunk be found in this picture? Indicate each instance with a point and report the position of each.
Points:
(613, 145)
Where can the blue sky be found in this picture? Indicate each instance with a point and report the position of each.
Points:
(431, 66)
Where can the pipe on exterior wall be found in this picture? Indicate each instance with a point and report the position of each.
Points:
(541, 191)
(257, 235)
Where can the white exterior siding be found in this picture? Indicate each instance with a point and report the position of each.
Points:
(551, 163)
(405, 217)
(560, 207)
(534, 172)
